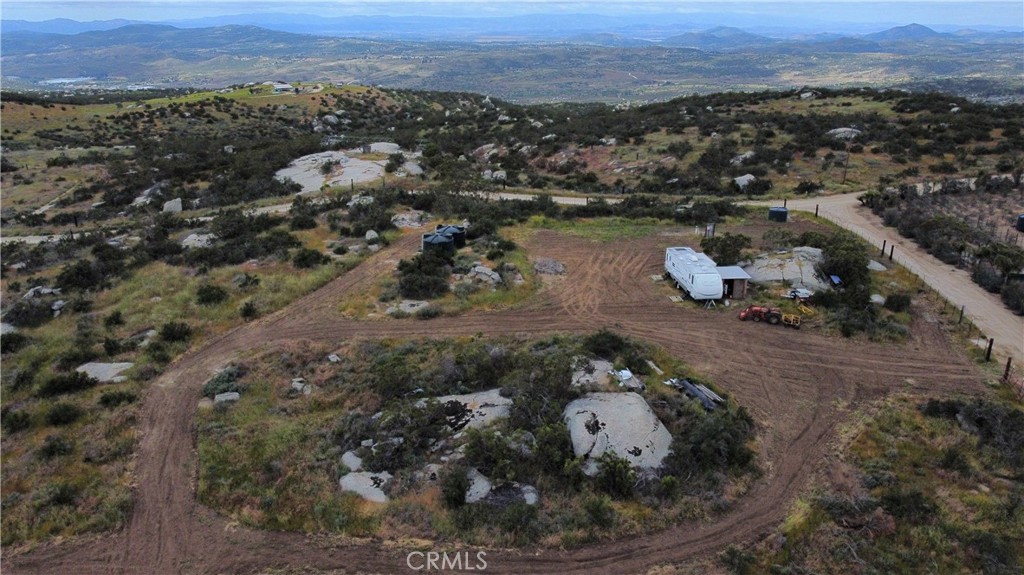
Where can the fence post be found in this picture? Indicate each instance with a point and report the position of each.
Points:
(892, 248)
(884, 242)
(988, 352)
(1006, 372)
(815, 210)
(961, 320)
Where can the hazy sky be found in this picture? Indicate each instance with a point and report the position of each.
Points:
(979, 12)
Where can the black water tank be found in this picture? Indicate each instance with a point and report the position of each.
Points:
(778, 214)
(458, 234)
(1020, 223)
(440, 243)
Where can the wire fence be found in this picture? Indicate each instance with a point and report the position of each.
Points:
(969, 320)
(1013, 378)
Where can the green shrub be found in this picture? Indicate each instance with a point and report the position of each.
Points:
(175, 331)
(615, 476)
(63, 414)
(1013, 296)
(605, 343)
(453, 488)
(112, 346)
(599, 511)
(29, 313)
(520, 520)
(910, 504)
(424, 276)
(209, 294)
(308, 258)
(12, 342)
(67, 383)
(15, 421)
(898, 302)
(115, 398)
(223, 382)
(55, 446)
(55, 494)
(114, 319)
(249, 310)
(428, 312)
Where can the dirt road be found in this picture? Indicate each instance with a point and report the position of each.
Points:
(799, 385)
(985, 309)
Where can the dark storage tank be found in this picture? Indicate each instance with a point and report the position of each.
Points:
(1020, 223)
(458, 234)
(439, 243)
(778, 214)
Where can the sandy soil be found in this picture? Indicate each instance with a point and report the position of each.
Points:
(799, 385)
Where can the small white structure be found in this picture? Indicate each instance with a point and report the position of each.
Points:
(694, 273)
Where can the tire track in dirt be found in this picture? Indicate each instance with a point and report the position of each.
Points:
(796, 384)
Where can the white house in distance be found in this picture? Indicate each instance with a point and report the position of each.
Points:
(280, 87)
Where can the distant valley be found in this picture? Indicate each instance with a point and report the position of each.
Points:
(587, 62)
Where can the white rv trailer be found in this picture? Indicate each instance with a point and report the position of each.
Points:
(694, 273)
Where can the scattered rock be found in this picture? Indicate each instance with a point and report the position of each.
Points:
(744, 180)
(622, 423)
(333, 358)
(6, 328)
(484, 274)
(369, 486)
(198, 241)
(798, 267)
(877, 299)
(373, 248)
(40, 291)
(359, 200)
(228, 396)
(299, 384)
(737, 160)
(366, 443)
(352, 461)
(875, 266)
(483, 408)
(479, 486)
(105, 372)
(844, 133)
(408, 306)
(593, 372)
(371, 235)
(172, 206)
(58, 305)
(412, 219)
(548, 266)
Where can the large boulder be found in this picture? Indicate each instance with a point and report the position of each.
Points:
(105, 372)
(620, 423)
(369, 486)
(173, 206)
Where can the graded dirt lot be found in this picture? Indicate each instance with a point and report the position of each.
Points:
(799, 385)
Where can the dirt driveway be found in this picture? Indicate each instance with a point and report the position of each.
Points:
(985, 309)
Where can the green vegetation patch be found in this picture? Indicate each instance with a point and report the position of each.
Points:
(274, 458)
(940, 492)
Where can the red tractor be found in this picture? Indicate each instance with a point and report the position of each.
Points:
(772, 315)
